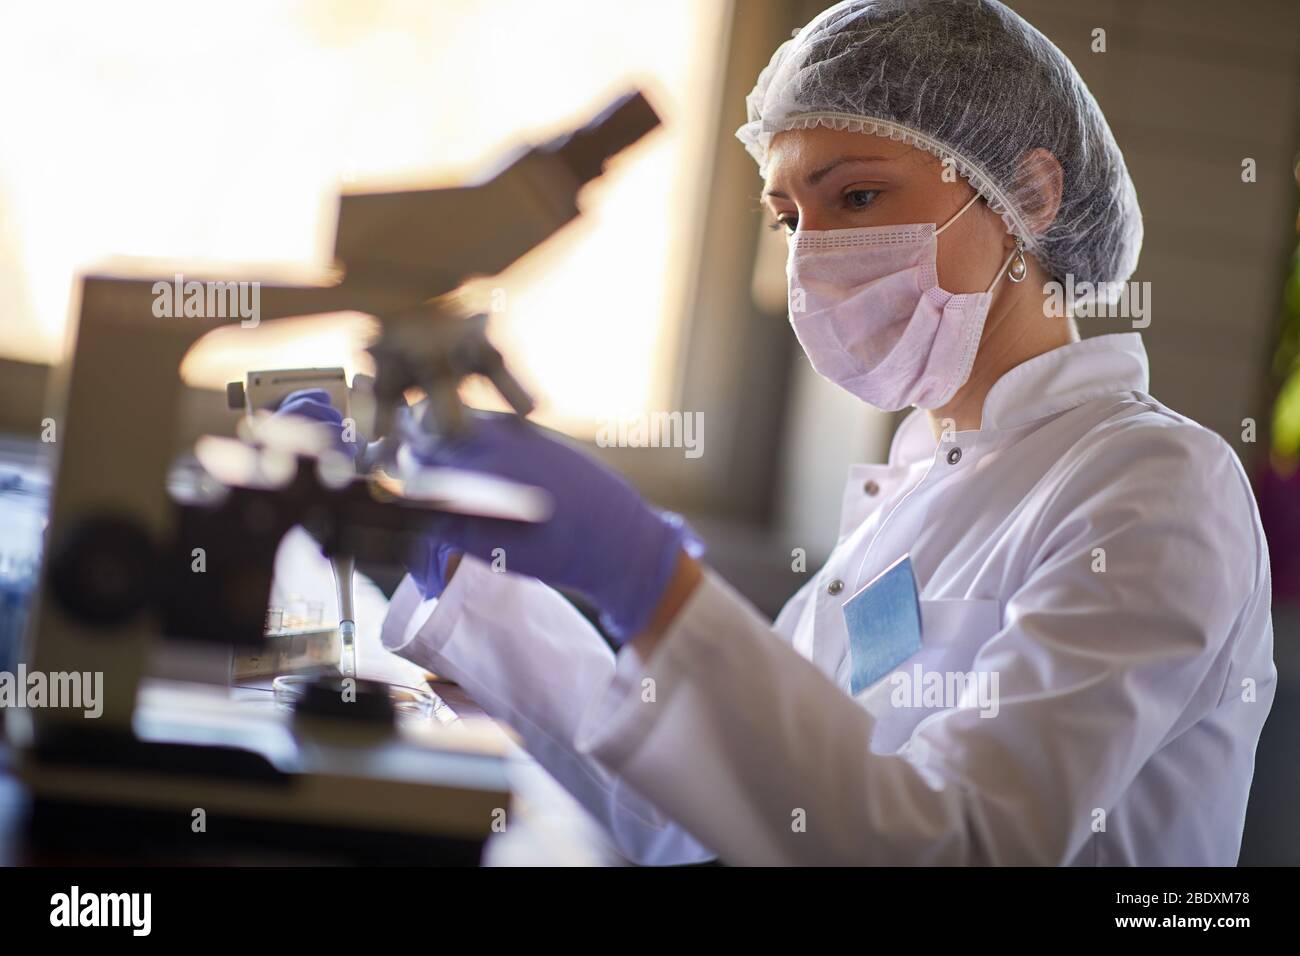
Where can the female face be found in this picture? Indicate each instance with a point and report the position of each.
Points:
(822, 179)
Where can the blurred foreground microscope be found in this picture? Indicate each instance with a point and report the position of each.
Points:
(339, 776)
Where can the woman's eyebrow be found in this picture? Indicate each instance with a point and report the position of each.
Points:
(821, 172)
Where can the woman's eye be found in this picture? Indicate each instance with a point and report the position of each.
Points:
(860, 198)
(788, 223)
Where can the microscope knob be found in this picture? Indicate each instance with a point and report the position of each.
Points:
(102, 571)
(235, 395)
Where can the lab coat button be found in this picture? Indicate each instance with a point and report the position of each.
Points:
(954, 456)
(871, 488)
(835, 587)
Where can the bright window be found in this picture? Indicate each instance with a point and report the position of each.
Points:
(219, 134)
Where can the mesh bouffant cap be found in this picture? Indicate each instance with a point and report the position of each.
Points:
(971, 81)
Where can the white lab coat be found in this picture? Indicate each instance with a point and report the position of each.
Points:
(1099, 553)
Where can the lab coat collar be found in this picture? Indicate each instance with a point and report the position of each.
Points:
(1047, 384)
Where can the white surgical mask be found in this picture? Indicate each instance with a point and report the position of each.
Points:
(866, 306)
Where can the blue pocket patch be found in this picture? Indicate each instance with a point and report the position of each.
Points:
(884, 622)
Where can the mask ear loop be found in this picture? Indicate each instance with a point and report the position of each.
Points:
(957, 215)
(1016, 261)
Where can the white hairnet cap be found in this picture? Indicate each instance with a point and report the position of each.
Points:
(971, 81)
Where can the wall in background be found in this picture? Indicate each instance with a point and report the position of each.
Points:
(1191, 88)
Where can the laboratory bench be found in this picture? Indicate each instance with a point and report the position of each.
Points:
(548, 827)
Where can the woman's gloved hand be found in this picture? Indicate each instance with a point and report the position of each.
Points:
(314, 404)
(428, 566)
(602, 539)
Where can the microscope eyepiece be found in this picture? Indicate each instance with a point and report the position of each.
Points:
(614, 129)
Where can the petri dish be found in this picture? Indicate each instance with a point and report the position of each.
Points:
(408, 702)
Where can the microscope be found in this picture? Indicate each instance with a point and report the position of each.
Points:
(339, 775)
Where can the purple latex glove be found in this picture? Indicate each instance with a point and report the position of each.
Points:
(602, 540)
(314, 404)
(428, 566)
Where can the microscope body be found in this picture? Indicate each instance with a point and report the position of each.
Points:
(120, 568)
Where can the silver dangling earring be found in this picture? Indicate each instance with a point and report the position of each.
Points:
(1019, 268)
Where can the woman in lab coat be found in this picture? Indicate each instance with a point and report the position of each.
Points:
(1091, 663)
